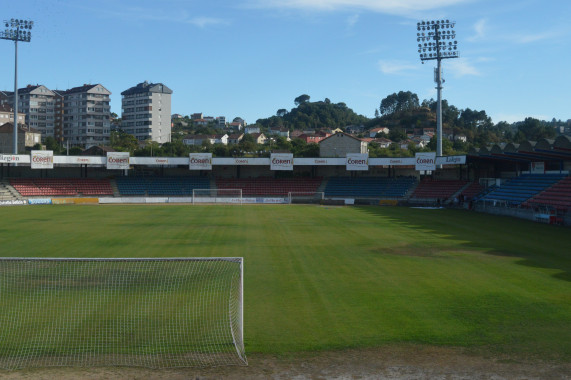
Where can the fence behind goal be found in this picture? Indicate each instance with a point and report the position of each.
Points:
(157, 313)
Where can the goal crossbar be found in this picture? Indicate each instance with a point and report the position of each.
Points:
(158, 313)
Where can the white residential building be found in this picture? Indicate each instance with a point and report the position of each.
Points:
(146, 112)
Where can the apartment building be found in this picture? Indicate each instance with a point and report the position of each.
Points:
(37, 103)
(86, 115)
(79, 115)
(146, 112)
(7, 115)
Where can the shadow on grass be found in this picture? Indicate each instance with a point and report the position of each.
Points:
(537, 245)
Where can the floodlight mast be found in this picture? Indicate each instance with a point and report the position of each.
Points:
(16, 30)
(432, 44)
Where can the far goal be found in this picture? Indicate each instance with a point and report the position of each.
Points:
(158, 313)
(233, 196)
(306, 197)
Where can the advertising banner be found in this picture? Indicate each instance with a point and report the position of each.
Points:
(406, 161)
(42, 159)
(241, 161)
(357, 161)
(538, 167)
(79, 160)
(451, 160)
(117, 160)
(14, 158)
(281, 161)
(425, 161)
(200, 161)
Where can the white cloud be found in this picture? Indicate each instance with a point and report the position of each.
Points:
(461, 67)
(352, 20)
(395, 67)
(512, 118)
(202, 22)
(401, 7)
(480, 29)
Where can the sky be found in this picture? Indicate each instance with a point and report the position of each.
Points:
(249, 58)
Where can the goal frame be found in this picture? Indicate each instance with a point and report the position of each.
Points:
(238, 313)
(313, 195)
(215, 196)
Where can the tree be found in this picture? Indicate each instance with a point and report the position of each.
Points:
(399, 102)
(281, 112)
(302, 99)
(397, 134)
(123, 142)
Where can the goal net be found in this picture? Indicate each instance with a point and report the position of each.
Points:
(217, 196)
(158, 313)
(306, 197)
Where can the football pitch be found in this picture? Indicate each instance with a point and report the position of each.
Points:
(321, 278)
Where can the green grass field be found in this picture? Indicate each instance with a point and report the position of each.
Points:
(323, 278)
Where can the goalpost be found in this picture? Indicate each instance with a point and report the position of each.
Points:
(305, 197)
(158, 313)
(233, 196)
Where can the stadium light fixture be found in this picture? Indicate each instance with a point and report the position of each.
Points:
(437, 41)
(16, 30)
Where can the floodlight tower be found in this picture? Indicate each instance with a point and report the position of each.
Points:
(16, 30)
(437, 40)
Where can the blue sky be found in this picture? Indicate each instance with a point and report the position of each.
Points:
(249, 58)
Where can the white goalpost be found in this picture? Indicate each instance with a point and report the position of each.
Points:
(158, 313)
(305, 197)
(231, 196)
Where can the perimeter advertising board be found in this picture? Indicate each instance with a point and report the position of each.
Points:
(200, 161)
(357, 161)
(14, 158)
(281, 161)
(425, 161)
(42, 159)
(117, 160)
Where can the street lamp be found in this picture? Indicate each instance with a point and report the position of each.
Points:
(16, 30)
(437, 40)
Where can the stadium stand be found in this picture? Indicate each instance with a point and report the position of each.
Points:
(160, 186)
(30, 187)
(429, 189)
(472, 190)
(520, 189)
(368, 187)
(273, 187)
(557, 196)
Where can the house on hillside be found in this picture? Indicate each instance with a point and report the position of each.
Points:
(314, 138)
(373, 132)
(355, 129)
(259, 138)
(235, 138)
(339, 144)
(251, 129)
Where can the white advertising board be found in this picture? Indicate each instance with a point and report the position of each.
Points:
(240, 161)
(298, 161)
(281, 161)
(405, 161)
(357, 161)
(14, 158)
(80, 160)
(538, 167)
(200, 161)
(425, 161)
(42, 159)
(451, 160)
(117, 160)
